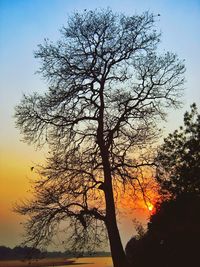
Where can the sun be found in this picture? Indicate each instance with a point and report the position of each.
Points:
(150, 206)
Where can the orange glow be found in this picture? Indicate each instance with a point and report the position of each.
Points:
(15, 169)
(141, 194)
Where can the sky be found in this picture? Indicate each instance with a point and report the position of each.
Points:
(23, 25)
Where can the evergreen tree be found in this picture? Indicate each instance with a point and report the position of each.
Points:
(178, 159)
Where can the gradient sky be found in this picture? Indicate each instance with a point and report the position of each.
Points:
(23, 25)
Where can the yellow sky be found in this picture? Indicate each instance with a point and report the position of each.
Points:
(15, 174)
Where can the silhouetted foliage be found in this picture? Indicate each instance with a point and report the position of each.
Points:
(25, 252)
(5, 252)
(107, 89)
(178, 158)
(173, 233)
(172, 237)
(19, 253)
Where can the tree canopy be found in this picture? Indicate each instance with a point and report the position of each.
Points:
(108, 87)
(178, 160)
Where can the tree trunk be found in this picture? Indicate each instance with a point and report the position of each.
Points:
(117, 251)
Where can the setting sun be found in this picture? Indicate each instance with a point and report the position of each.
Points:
(150, 206)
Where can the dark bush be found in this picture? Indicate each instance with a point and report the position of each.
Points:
(172, 238)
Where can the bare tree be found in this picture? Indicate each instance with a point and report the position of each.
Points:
(107, 89)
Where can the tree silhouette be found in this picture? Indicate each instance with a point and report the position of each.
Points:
(172, 237)
(178, 158)
(107, 88)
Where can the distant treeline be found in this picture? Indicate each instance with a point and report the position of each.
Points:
(28, 253)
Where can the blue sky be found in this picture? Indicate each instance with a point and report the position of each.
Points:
(25, 23)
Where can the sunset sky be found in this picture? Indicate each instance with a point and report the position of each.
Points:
(23, 25)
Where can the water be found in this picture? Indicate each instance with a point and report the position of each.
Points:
(91, 262)
(81, 262)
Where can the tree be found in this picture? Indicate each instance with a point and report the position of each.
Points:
(107, 88)
(173, 231)
(178, 159)
(172, 236)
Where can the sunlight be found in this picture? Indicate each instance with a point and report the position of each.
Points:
(150, 206)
